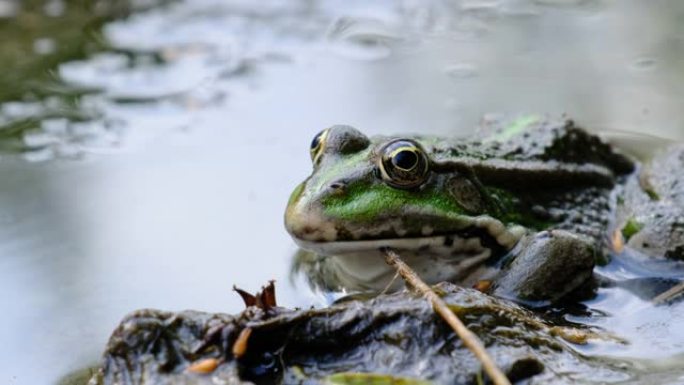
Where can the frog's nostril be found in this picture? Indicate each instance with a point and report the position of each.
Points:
(337, 186)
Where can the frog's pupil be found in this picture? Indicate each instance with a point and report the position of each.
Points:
(405, 159)
(316, 141)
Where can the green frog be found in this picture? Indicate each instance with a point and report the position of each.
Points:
(526, 206)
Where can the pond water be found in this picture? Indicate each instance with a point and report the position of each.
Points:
(148, 148)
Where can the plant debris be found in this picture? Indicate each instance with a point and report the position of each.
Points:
(264, 299)
(204, 366)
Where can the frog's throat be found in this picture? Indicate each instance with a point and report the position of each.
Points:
(485, 232)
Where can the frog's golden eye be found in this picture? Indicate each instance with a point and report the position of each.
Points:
(403, 164)
(318, 145)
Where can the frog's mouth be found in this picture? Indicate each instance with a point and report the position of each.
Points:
(482, 233)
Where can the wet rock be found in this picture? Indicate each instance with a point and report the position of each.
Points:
(395, 335)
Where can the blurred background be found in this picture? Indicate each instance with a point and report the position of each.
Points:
(148, 148)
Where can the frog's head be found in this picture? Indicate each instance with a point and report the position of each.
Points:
(365, 193)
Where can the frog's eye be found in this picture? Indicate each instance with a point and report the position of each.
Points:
(404, 164)
(317, 145)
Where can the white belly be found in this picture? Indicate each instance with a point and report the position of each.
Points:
(364, 268)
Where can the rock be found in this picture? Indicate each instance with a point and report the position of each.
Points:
(395, 335)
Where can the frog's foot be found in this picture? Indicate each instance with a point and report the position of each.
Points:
(547, 266)
(657, 233)
(653, 209)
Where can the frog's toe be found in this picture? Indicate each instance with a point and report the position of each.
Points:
(549, 265)
(658, 233)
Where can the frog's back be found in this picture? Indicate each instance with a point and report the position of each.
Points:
(538, 138)
(562, 176)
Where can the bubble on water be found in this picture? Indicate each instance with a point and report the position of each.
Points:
(54, 126)
(19, 110)
(566, 3)
(40, 155)
(112, 74)
(643, 63)
(461, 71)
(40, 139)
(520, 9)
(54, 8)
(483, 10)
(44, 46)
(358, 52)
(362, 38)
(8, 8)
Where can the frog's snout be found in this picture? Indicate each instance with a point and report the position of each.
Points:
(305, 220)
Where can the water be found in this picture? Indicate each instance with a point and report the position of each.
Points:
(148, 148)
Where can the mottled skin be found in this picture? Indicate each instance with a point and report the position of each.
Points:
(542, 193)
(651, 208)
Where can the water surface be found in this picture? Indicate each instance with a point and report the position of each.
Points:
(147, 149)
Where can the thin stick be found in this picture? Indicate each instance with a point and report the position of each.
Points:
(470, 340)
(669, 294)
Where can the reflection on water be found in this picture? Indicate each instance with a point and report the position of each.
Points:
(38, 37)
(147, 149)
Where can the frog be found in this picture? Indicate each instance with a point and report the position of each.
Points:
(650, 210)
(524, 207)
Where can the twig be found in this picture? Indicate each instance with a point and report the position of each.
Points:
(470, 340)
(669, 294)
(391, 282)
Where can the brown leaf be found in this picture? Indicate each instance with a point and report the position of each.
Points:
(247, 298)
(268, 297)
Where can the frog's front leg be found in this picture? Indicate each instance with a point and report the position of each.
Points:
(651, 213)
(547, 266)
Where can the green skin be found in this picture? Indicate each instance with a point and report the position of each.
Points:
(533, 185)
